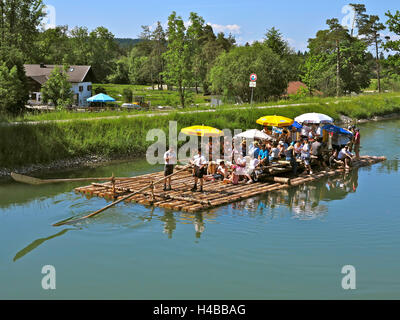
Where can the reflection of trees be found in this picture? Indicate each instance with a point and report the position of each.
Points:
(389, 166)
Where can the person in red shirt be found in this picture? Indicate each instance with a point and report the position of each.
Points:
(357, 142)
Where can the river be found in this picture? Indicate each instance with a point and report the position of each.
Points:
(290, 244)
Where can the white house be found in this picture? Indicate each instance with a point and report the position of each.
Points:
(80, 77)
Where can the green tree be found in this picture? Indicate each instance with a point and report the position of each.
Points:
(13, 93)
(393, 61)
(292, 61)
(336, 62)
(19, 25)
(230, 74)
(58, 89)
(369, 28)
(120, 74)
(127, 95)
(178, 69)
(54, 46)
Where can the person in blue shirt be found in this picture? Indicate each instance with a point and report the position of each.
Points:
(263, 155)
(256, 150)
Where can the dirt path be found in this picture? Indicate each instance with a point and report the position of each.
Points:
(147, 115)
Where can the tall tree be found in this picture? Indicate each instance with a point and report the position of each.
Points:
(393, 23)
(336, 57)
(178, 60)
(337, 33)
(369, 28)
(19, 25)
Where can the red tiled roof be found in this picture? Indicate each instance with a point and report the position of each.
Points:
(294, 86)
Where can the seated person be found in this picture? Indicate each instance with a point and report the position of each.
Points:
(254, 163)
(345, 156)
(239, 171)
(274, 155)
(222, 172)
(263, 155)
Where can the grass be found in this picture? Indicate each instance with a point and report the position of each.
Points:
(156, 97)
(26, 144)
(65, 115)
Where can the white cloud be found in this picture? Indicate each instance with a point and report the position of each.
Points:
(297, 45)
(229, 28)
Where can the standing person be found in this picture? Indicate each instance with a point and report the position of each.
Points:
(170, 162)
(316, 150)
(297, 149)
(293, 134)
(357, 142)
(200, 164)
(351, 143)
(305, 155)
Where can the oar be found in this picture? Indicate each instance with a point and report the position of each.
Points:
(69, 221)
(35, 181)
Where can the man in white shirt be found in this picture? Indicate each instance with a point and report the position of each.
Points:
(170, 162)
(305, 130)
(346, 156)
(200, 169)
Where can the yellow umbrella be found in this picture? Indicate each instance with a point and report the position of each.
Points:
(202, 131)
(275, 121)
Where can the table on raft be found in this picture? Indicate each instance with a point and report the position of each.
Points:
(216, 193)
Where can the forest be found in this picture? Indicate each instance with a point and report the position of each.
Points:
(189, 57)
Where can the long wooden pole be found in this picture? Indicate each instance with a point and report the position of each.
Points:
(36, 181)
(68, 221)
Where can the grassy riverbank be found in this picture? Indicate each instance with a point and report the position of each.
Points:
(27, 144)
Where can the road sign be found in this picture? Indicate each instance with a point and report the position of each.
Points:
(253, 84)
(253, 77)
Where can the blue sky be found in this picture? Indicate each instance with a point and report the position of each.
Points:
(247, 20)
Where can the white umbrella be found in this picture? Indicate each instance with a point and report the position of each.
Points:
(315, 118)
(254, 134)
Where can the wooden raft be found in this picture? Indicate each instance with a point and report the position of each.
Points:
(215, 194)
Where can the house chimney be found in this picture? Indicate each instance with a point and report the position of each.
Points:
(42, 65)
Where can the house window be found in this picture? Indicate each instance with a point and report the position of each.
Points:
(89, 88)
(80, 88)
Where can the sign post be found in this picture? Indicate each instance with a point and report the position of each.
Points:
(253, 84)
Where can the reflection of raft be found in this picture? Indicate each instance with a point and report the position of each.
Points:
(215, 193)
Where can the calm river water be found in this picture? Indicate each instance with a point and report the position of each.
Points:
(283, 245)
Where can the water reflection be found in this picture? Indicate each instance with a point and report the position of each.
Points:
(306, 202)
(36, 244)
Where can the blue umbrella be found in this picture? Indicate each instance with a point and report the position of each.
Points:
(296, 125)
(336, 129)
(101, 97)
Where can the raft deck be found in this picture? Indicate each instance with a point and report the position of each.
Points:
(215, 194)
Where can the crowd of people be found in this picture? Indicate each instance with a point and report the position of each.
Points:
(297, 148)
